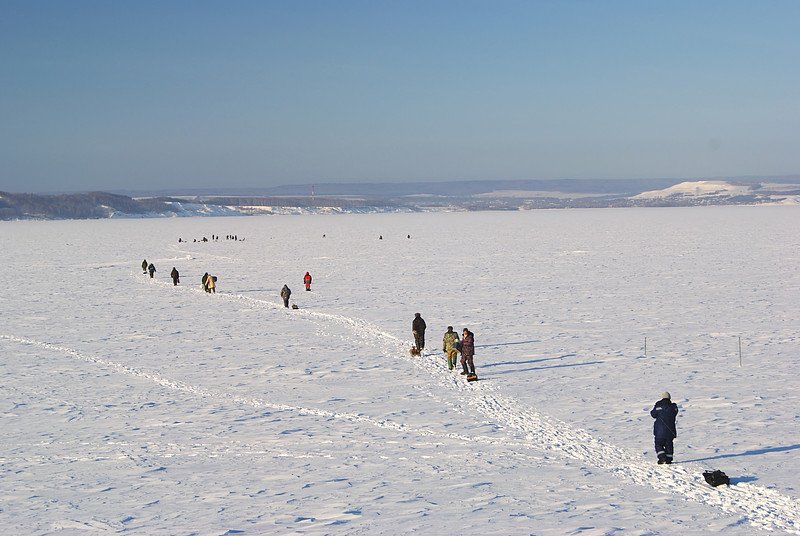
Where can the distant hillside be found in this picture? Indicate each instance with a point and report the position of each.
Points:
(411, 197)
(76, 206)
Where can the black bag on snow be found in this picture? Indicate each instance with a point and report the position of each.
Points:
(716, 478)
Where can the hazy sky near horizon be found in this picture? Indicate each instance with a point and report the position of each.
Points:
(99, 95)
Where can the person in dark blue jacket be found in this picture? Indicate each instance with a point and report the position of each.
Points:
(664, 412)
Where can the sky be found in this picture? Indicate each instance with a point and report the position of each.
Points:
(99, 95)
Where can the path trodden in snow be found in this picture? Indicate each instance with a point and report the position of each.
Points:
(129, 404)
(526, 428)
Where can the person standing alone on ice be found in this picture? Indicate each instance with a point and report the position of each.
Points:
(664, 412)
(211, 283)
(418, 329)
(449, 347)
(467, 352)
(307, 281)
(175, 276)
(285, 294)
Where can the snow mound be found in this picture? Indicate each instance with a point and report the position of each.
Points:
(697, 189)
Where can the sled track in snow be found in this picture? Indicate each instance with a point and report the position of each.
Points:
(527, 429)
(761, 507)
(256, 403)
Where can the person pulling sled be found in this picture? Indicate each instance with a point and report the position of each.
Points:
(468, 355)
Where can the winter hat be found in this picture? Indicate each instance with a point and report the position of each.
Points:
(666, 395)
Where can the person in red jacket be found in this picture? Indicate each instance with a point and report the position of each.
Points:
(307, 281)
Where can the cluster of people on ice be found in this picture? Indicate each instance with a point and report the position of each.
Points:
(451, 345)
(664, 411)
(286, 292)
(209, 282)
(214, 238)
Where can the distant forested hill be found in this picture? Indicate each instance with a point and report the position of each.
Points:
(76, 206)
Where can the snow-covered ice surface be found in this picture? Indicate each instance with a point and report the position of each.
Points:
(129, 405)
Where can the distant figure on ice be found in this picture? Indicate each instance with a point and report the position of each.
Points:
(151, 269)
(380, 237)
(408, 236)
(204, 281)
(418, 329)
(144, 266)
(307, 281)
(176, 277)
(285, 294)
(449, 347)
(211, 283)
(467, 352)
(664, 412)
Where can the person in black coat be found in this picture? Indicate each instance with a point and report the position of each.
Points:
(467, 352)
(151, 269)
(286, 294)
(664, 412)
(418, 329)
(144, 266)
(175, 276)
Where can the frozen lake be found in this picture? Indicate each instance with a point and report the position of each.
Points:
(130, 405)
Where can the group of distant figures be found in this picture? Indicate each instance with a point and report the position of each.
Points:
(151, 269)
(209, 282)
(214, 238)
(286, 292)
(664, 411)
(451, 345)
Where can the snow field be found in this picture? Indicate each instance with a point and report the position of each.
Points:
(133, 405)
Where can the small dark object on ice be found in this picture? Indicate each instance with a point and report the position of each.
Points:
(716, 478)
(414, 351)
(294, 306)
(472, 377)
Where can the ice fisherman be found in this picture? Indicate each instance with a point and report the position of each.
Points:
(449, 347)
(418, 329)
(467, 352)
(664, 412)
(286, 294)
(151, 269)
(307, 281)
(176, 276)
(211, 283)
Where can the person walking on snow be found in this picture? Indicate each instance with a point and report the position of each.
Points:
(664, 412)
(144, 266)
(211, 283)
(307, 281)
(285, 294)
(175, 276)
(449, 347)
(418, 329)
(467, 352)
(151, 269)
